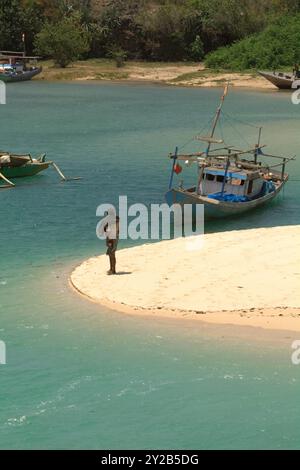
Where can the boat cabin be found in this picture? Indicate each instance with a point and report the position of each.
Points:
(16, 62)
(233, 181)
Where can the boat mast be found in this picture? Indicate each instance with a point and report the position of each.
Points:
(217, 117)
(210, 140)
(174, 158)
(257, 146)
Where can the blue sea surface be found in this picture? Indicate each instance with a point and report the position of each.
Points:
(79, 376)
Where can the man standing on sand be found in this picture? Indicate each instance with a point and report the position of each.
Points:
(112, 231)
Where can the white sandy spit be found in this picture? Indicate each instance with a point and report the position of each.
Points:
(249, 277)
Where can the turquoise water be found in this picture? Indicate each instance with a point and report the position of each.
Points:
(80, 376)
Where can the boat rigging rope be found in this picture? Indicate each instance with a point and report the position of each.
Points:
(236, 130)
(241, 121)
(221, 131)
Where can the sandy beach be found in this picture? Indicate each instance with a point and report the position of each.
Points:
(249, 277)
(213, 79)
(197, 76)
(175, 74)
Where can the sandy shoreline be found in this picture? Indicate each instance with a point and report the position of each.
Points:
(177, 74)
(249, 278)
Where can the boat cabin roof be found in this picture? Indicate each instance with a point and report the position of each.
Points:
(233, 172)
(17, 56)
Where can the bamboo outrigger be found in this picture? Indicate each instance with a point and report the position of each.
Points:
(230, 181)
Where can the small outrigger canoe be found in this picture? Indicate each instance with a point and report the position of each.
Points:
(283, 81)
(21, 166)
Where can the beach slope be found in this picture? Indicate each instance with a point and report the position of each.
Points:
(249, 277)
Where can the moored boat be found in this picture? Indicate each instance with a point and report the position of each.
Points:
(16, 67)
(21, 166)
(228, 202)
(229, 181)
(283, 81)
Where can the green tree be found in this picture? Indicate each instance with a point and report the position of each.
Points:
(118, 28)
(11, 25)
(143, 29)
(164, 31)
(33, 21)
(197, 49)
(64, 41)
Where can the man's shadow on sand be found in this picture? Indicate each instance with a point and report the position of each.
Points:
(123, 273)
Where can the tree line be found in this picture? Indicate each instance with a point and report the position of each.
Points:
(162, 30)
(277, 46)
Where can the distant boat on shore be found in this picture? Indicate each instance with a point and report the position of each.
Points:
(16, 67)
(283, 81)
(229, 181)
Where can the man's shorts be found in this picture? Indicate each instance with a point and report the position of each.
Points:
(112, 248)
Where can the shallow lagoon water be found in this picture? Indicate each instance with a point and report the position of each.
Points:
(80, 376)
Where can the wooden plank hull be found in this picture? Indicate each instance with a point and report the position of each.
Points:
(30, 169)
(283, 82)
(219, 209)
(20, 77)
(18, 160)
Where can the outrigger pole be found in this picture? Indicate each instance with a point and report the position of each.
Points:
(9, 183)
(63, 177)
(59, 171)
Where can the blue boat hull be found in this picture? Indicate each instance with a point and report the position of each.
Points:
(20, 77)
(219, 209)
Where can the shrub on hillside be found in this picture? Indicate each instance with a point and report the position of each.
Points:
(277, 46)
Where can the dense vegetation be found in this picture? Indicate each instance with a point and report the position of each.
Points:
(64, 41)
(149, 29)
(277, 46)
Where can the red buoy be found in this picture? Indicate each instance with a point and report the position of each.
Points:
(177, 169)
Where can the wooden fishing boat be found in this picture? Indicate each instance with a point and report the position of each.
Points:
(283, 81)
(17, 67)
(12, 76)
(21, 166)
(230, 181)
